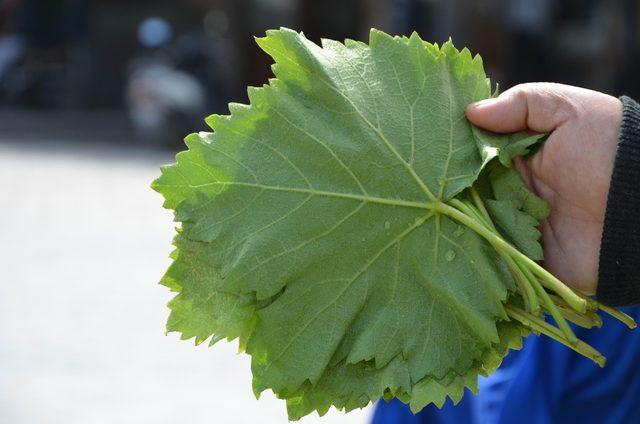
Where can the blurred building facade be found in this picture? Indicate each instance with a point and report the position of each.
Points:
(75, 54)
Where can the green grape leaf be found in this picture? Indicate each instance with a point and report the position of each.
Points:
(310, 227)
(519, 227)
(516, 211)
(344, 381)
(507, 184)
(508, 146)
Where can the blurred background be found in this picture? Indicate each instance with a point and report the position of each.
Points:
(95, 95)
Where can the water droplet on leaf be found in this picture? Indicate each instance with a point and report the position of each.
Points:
(450, 255)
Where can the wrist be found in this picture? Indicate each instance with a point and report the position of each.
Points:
(620, 247)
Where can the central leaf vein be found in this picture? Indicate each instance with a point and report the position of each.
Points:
(368, 199)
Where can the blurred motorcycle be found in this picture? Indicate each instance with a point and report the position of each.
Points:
(165, 98)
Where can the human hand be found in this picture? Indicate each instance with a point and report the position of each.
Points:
(571, 171)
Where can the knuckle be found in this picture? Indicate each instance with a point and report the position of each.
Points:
(564, 107)
(551, 103)
(519, 91)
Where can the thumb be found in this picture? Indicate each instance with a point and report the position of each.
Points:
(540, 107)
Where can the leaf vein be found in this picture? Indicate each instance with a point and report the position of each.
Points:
(350, 281)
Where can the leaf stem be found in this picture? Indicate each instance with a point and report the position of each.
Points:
(480, 205)
(525, 289)
(584, 321)
(619, 315)
(548, 280)
(463, 207)
(486, 221)
(528, 294)
(592, 316)
(550, 306)
(538, 324)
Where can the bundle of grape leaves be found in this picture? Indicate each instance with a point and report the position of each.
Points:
(357, 235)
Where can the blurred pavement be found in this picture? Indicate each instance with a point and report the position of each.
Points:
(83, 242)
